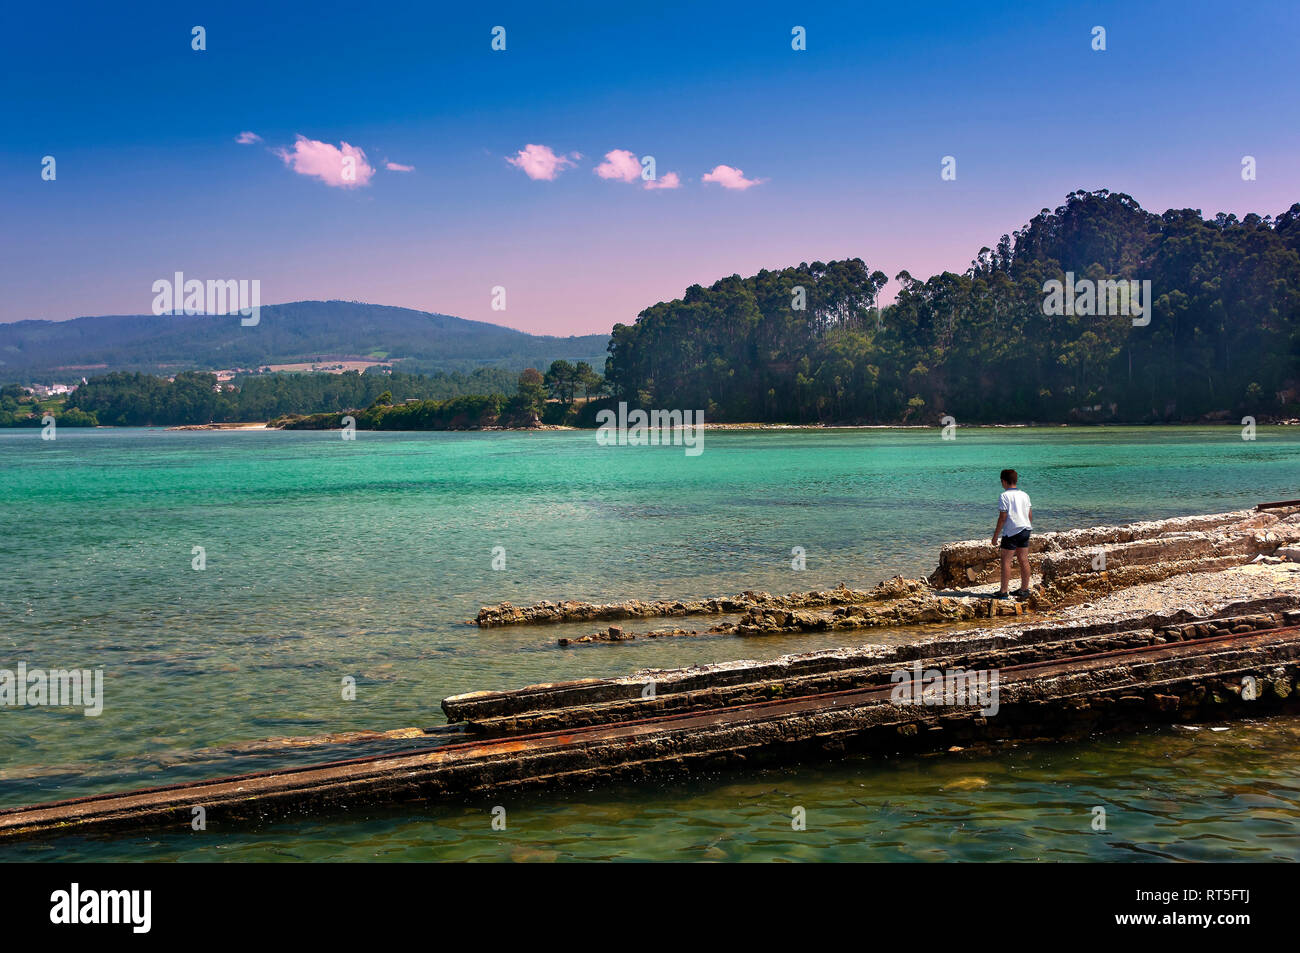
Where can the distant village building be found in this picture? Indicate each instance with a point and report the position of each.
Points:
(50, 390)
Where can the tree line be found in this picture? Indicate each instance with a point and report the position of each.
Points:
(21, 409)
(812, 344)
(454, 400)
(195, 397)
(550, 398)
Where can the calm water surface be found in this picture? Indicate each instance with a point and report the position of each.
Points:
(327, 558)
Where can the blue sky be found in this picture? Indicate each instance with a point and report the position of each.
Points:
(845, 140)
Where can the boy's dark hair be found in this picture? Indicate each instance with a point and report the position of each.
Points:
(1010, 477)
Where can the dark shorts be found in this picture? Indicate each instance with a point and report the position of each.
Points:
(1019, 541)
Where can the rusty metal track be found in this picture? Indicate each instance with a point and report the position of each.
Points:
(608, 709)
(569, 734)
(399, 773)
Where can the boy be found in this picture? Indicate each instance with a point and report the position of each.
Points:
(1015, 520)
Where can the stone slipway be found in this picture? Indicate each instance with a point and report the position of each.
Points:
(1239, 535)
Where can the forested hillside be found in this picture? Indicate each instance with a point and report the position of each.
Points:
(304, 331)
(1223, 338)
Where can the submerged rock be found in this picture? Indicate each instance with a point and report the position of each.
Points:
(613, 634)
(573, 611)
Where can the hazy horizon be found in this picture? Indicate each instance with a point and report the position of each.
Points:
(281, 304)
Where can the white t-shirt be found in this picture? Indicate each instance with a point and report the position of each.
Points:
(1015, 503)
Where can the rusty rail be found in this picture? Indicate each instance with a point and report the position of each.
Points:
(627, 748)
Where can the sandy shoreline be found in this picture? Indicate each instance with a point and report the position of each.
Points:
(769, 426)
(237, 426)
(264, 426)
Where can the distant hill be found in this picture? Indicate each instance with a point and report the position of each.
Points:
(302, 331)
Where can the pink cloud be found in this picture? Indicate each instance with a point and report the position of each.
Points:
(541, 162)
(620, 164)
(668, 180)
(398, 167)
(729, 178)
(247, 138)
(344, 166)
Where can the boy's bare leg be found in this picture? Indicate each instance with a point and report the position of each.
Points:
(1023, 556)
(1006, 570)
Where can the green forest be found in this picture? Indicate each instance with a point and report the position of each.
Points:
(1223, 337)
(813, 344)
(550, 398)
(133, 399)
(21, 409)
(392, 401)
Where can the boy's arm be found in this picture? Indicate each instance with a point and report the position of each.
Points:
(997, 530)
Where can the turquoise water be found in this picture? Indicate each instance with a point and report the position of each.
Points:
(328, 558)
